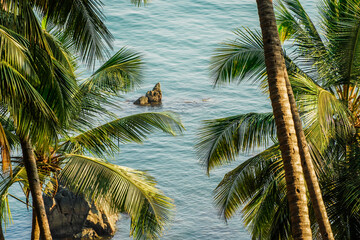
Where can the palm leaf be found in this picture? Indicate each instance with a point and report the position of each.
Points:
(221, 140)
(257, 185)
(120, 73)
(83, 22)
(323, 115)
(239, 59)
(15, 51)
(133, 128)
(125, 189)
(19, 175)
(24, 101)
(19, 15)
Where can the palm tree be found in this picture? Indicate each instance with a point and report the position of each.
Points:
(82, 24)
(286, 133)
(130, 191)
(324, 99)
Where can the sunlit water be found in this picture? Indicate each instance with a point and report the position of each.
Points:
(177, 39)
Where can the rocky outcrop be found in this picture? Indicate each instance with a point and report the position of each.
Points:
(151, 98)
(73, 217)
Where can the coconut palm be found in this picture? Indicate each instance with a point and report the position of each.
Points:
(82, 25)
(323, 71)
(80, 133)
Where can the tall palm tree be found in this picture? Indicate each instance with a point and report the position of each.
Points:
(82, 24)
(123, 189)
(286, 133)
(321, 98)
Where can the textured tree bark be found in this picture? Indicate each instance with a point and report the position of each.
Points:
(309, 171)
(275, 66)
(35, 188)
(35, 229)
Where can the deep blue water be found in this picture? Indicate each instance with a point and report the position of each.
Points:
(177, 39)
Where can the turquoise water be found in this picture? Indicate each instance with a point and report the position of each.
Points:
(177, 38)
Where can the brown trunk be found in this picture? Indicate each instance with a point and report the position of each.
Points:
(35, 188)
(1, 231)
(309, 172)
(35, 230)
(275, 66)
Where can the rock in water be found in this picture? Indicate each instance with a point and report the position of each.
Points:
(73, 217)
(142, 101)
(151, 98)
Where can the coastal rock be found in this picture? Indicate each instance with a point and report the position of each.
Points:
(142, 101)
(151, 98)
(71, 216)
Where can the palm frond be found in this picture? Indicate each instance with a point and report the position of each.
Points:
(239, 59)
(122, 72)
(125, 189)
(258, 186)
(59, 52)
(324, 116)
(340, 186)
(19, 15)
(19, 174)
(132, 128)
(83, 22)
(287, 23)
(296, 24)
(14, 51)
(221, 140)
(23, 100)
(343, 32)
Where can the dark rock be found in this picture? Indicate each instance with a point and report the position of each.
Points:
(151, 98)
(71, 216)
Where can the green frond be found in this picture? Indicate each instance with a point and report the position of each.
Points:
(14, 50)
(125, 189)
(122, 72)
(323, 115)
(295, 23)
(83, 22)
(221, 140)
(340, 186)
(59, 91)
(134, 128)
(17, 93)
(19, 174)
(239, 59)
(92, 105)
(343, 32)
(59, 52)
(257, 185)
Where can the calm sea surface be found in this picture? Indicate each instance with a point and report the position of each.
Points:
(177, 39)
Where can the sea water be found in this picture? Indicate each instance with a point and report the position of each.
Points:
(177, 39)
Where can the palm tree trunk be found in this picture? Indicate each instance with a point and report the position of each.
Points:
(309, 171)
(276, 70)
(35, 188)
(1, 231)
(35, 229)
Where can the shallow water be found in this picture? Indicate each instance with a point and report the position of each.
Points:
(177, 38)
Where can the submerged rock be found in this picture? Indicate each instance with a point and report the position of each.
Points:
(151, 98)
(72, 217)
